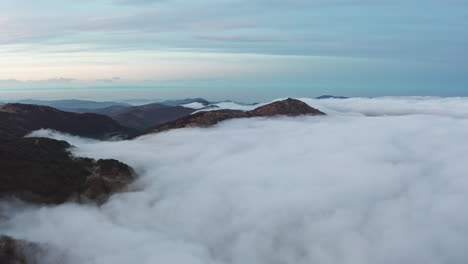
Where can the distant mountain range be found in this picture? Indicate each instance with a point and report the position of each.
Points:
(74, 105)
(142, 117)
(165, 102)
(331, 97)
(127, 115)
(108, 111)
(17, 120)
(185, 101)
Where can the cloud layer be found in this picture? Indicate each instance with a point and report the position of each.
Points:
(336, 189)
(456, 107)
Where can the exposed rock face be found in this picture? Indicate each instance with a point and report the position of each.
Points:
(288, 107)
(40, 170)
(17, 120)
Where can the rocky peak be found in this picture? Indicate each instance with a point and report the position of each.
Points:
(288, 107)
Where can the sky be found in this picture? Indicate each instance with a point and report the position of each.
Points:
(238, 49)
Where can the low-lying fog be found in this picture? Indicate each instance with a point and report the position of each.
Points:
(344, 188)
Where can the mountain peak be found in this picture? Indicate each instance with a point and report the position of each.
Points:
(288, 107)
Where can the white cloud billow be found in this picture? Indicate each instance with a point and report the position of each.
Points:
(450, 106)
(335, 189)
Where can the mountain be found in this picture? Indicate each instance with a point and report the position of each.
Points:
(331, 97)
(142, 117)
(288, 107)
(185, 101)
(140, 101)
(17, 120)
(70, 105)
(108, 111)
(41, 170)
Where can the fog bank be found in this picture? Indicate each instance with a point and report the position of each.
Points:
(344, 188)
(380, 106)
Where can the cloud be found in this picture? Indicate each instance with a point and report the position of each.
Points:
(346, 28)
(395, 106)
(98, 38)
(138, 2)
(456, 107)
(13, 83)
(335, 189)
(105, 81)
(241, 38)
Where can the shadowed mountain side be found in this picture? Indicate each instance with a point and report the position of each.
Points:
(108, 111)
(146, 116)
(200, 119)
(17, 120)
(41, 170)
(143, 116)
(288, 107)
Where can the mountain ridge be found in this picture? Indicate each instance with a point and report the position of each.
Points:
(17, 120)
(288, 107)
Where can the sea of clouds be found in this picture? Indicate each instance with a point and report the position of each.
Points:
(379, 106)
(377, 181)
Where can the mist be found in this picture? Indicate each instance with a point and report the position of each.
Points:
(376, 181)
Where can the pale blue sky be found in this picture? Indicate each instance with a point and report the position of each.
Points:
(248, 49)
